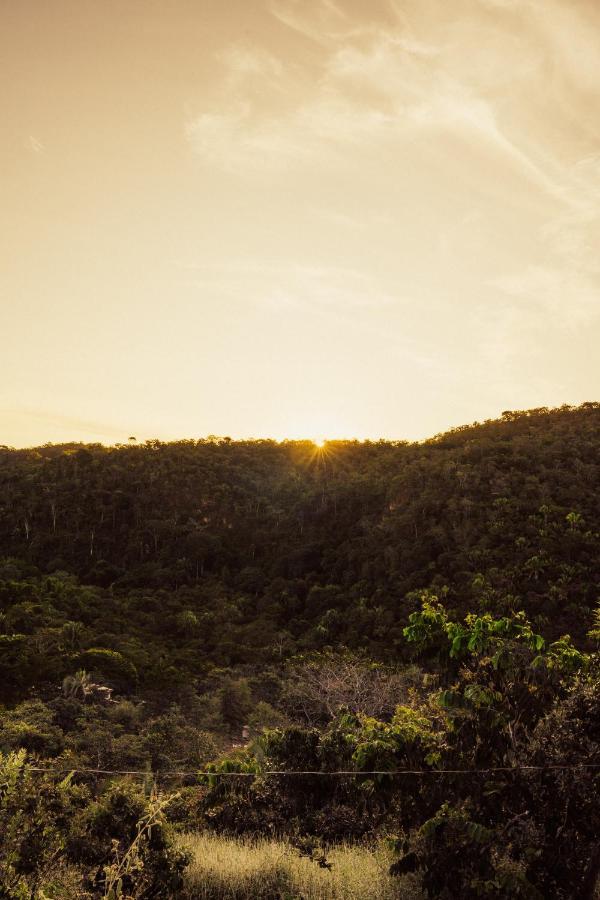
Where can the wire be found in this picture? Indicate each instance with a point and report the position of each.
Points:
(334, 773)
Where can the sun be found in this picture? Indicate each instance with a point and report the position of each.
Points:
(319, 442)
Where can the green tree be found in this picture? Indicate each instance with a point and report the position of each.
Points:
(236, 703)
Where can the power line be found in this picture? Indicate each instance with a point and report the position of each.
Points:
(320, 773)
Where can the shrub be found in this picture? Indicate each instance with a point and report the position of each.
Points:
(35, 814)
(124, 841)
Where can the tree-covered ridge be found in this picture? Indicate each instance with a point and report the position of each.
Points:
(310, 548)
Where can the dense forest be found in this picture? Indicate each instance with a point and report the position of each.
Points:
(251, 607)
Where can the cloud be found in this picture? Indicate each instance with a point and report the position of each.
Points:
(502, 4)
(290, 285)
(564, 297)
(318, 133)
(67, 426)
(319, 20)
(366, 219)
(349, 305)
(327, 287)
(376, 86)
(571, 33)
(566, 291)
(35, 145)
(244, 62)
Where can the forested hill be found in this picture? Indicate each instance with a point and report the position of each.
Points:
(269, 547)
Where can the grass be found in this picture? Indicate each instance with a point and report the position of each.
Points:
(226, 868)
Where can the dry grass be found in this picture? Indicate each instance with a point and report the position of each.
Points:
(236, 869)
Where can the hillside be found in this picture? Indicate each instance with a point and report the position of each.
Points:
(275, 547)
(274, 610)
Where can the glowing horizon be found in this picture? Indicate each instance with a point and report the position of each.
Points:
(288, 218)
(321, 443)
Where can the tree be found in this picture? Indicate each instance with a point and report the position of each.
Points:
(35, 815)
(319, 685)
(236, 703)
(77, 686)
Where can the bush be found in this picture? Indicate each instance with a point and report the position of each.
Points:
(35, 815)
(55, 843)
(31, 726)
(110, 667)
(125, 838)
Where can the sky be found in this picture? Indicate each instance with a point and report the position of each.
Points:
(295, 218)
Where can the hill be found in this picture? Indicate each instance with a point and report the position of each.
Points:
(274, 547)
(160, 604)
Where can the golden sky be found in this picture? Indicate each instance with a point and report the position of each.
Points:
(339, 218)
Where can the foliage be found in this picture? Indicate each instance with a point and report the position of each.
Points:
(51, 832)
(35, 813)
(516, 702)
(143, 864)
(123, 842)
(340, 806)
(490, 826)
(461, 857)
(318, 685)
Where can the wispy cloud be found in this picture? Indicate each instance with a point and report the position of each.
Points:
(378, 85)
(282, 286)
(320, 20)
(35, 145)
(568, 298)
(244, 62)
(69, 427)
